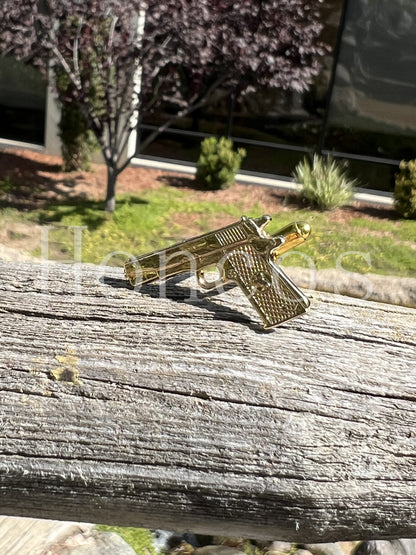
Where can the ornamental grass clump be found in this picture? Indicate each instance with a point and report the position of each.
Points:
(325, 183)
(405, 190)
(218, 163)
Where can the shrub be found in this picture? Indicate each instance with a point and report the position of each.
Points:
(405, 190)
(218, 163)
(325, 183)
(77, 140)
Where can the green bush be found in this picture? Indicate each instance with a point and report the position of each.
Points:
(325, 183)
(77, 140)
(218, 163)
(405, 190)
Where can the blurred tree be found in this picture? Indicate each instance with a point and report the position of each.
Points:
(213, 48)
(189, 51)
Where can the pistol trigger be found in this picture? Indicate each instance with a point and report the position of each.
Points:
(205, 284)
(278, 242)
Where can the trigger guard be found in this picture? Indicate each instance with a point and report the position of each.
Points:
(205, 284)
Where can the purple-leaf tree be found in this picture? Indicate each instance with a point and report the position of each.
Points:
(213, 48)
(95, 47)
(122, 58)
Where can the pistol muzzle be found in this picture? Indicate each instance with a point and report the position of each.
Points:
(294, 234)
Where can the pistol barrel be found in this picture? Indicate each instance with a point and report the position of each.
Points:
(191, 254)
(294, 234)
(208, 249)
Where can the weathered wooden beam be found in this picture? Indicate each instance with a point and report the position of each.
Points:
(121, 407)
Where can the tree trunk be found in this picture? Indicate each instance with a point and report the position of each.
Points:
(110, 200)
(176, 411)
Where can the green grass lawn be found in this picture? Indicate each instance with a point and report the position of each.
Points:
(159, 217)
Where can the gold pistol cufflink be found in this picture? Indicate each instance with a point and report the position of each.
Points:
(244, 253)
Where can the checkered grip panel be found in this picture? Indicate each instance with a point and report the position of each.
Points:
(273, 295)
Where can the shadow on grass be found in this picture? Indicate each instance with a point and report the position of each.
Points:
(89, 212)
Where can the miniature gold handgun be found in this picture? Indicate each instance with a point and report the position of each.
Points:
(242, 252)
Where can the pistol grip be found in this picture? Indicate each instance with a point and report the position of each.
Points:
(271, 293)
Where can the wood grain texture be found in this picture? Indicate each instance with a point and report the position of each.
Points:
(183, 414)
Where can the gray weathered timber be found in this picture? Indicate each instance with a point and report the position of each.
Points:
(183, 414)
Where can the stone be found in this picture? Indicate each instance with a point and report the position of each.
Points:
(387, 547)
(324, 549)
(31, 536)
(348, 548)
(98, 543)
(279, 547)
(161, 539)
(218, 550)
(164, 540)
